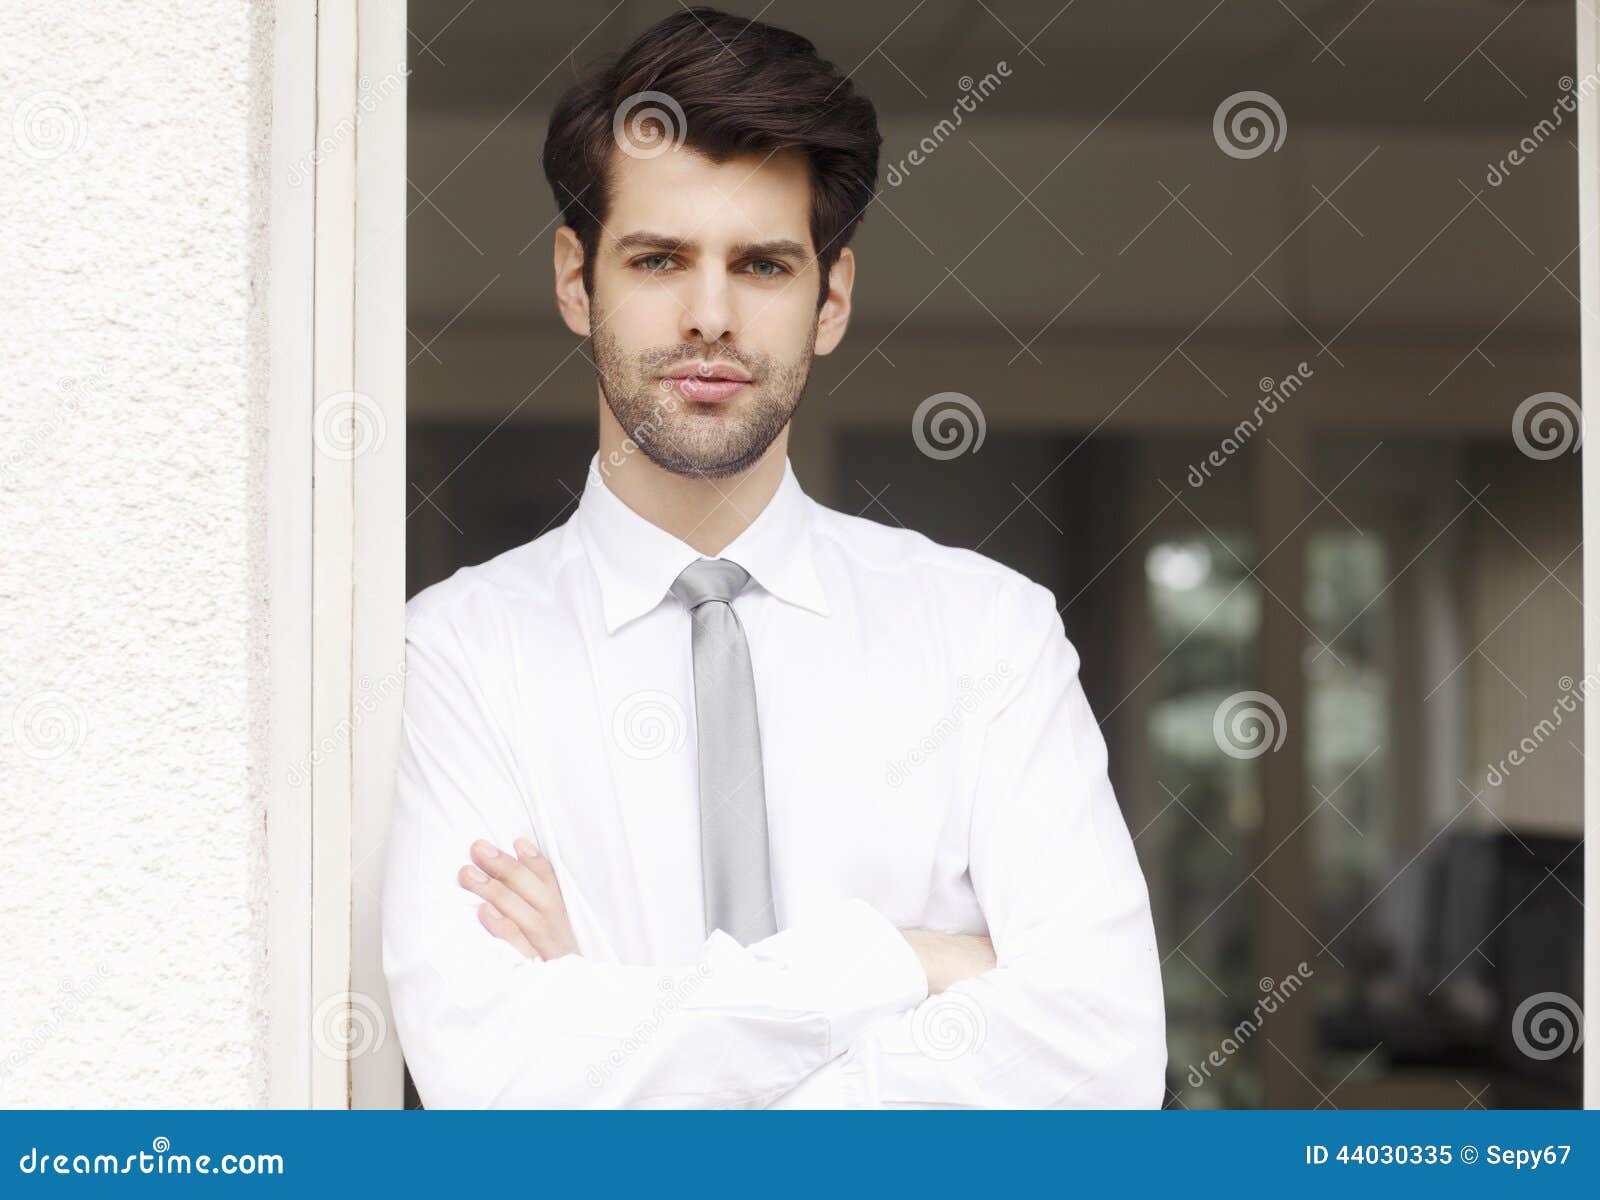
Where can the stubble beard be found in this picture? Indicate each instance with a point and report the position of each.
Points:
(695, 439)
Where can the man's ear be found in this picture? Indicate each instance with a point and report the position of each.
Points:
(571, 298)
(834, 314)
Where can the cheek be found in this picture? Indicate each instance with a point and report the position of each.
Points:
(781, 324)
(639, 314)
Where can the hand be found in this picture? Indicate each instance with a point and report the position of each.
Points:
(522, 901)
(950, 957)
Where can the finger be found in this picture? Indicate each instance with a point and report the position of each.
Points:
(509, 904)
(546, 941)
(505, 929)
(513, 872)
(553, 938)
(530, 857)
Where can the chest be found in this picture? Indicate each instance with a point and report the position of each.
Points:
(870, 743)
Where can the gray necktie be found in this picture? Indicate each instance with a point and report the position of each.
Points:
(733, 795)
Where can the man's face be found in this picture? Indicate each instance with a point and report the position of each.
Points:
(703, 317)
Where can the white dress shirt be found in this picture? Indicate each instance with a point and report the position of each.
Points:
(930, 762)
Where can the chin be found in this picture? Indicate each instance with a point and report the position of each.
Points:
(709, 465)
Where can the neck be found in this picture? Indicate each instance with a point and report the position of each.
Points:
(706, 513)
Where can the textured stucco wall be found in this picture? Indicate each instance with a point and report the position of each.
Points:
(133, 182)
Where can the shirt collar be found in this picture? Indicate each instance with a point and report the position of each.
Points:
(637, 561)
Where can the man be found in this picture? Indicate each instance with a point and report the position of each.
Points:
(765, 805)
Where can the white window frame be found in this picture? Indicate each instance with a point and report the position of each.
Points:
(336, 477)
(337, 538)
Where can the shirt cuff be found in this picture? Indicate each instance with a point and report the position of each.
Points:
(854, 963)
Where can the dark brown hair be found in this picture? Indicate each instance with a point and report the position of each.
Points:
(741, 87)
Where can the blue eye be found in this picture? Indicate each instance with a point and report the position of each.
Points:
(645, 263)
(757, 264)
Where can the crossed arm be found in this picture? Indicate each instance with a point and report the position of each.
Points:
(1069, 1014)
(522, 906)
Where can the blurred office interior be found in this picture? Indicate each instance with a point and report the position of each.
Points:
(1393, 557)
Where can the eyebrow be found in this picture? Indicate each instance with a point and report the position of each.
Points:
(645, 240)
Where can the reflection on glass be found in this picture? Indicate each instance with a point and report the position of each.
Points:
(1205, 613)
(1354, 832)
(1447, 911)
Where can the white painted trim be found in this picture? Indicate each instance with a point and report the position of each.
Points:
(291, 235)
(378, 565)
(1589, 325)
(336, 480)
(334, 419)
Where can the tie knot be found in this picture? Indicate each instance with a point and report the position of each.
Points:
(710, 579)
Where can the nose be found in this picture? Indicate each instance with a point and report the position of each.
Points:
(707, 306)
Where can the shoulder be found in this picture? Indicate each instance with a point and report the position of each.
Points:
(957, 580)
(482, 596)
(897, 553)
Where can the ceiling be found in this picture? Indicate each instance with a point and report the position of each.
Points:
(1390, 62)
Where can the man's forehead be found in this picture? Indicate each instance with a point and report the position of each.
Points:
(746, 198)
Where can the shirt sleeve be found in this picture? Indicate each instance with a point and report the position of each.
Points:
(1072, 1014)
(482, 1026)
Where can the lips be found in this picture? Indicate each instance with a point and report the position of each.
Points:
(706, 383)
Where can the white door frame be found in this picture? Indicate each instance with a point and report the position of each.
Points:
(336, 478)
(336, 452)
